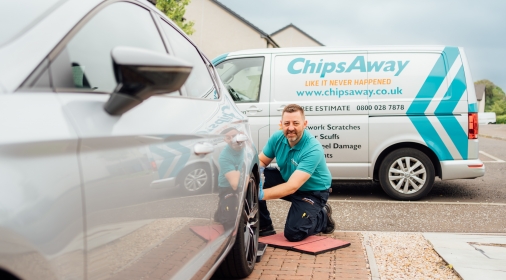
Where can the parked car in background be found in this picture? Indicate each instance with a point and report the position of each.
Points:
(112, 126)
(486, 118)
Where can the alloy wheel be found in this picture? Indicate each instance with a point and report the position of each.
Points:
(407, 175)
(195, 179)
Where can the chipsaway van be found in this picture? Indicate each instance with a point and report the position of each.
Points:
(400, 115)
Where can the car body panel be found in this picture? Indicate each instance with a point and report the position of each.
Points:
(41, 201)
(87, 195)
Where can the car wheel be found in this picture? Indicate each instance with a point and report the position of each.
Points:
(406, 174)
(241, 259)
(195, 178)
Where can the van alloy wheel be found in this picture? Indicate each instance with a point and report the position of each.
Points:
(195, 179)
(406, 174)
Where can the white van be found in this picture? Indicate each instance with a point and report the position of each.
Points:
(400, 115)
(487, 118)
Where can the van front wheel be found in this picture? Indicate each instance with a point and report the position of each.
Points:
(406, 174)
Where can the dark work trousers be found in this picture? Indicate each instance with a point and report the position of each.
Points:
(227, 207)
(305, 217)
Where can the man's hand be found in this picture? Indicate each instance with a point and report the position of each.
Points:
(261, 185)
(261, 192)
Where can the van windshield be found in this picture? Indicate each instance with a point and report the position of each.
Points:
(242, 77)
(20, 15)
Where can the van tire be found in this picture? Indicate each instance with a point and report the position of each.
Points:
(402, 185)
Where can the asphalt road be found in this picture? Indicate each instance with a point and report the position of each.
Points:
(470, 205)
(490, 188)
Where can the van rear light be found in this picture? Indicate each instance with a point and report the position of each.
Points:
(475, 165)
(473, 126)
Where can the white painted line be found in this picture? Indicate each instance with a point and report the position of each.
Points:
(491, 156)
(419, 202)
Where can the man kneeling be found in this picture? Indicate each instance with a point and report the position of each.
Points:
(303, 179)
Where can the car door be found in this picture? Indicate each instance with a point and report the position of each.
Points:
(232, 154)
(41, 211)
(139, 216)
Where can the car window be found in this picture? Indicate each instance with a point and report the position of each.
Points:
(199, 83)
(242, 77)
(89, 51)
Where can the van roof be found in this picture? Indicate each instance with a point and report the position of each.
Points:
(324, 49)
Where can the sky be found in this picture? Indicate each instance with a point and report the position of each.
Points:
(477, 26)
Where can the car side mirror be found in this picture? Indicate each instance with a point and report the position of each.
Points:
(239, 138)
(142, 73)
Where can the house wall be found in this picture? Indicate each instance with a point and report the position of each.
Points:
(481, 104)
(217, 31)
(291, 37)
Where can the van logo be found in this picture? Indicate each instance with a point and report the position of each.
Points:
(306, 66)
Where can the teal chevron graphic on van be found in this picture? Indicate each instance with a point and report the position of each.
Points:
(444, 112)
(450, 123)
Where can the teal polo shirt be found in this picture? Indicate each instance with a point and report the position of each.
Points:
(230, 160)
(306, 156)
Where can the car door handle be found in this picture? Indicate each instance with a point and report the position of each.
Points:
(281, 108)
(203, 148)
(254, 109)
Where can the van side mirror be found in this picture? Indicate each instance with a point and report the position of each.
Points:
(142, 73)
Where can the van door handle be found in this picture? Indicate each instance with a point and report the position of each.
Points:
(281, 108)
(254, 109)
(203, 148)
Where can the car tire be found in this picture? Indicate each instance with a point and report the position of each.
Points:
(406, 174)
(195, 178)
(240, 261)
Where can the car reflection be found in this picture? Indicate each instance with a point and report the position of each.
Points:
(230, 178)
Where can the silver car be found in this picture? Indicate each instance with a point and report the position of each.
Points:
(121, 154)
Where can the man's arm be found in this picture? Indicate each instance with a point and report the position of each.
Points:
(264, 161)
(233, 178)
(297, 179)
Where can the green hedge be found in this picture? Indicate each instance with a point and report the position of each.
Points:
(501, 119)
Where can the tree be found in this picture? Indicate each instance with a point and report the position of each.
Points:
(493, 95)
(499, 107)
(175, 10)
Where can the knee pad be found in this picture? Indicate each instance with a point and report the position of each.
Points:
(294, 236)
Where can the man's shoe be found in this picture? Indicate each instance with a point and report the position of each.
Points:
(269, 230)
(331, 225)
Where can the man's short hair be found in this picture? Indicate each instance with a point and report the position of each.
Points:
(291, 108)
(227, 130)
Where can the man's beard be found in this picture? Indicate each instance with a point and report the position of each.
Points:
(292, 137)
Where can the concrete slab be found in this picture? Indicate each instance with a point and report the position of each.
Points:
(473, 256)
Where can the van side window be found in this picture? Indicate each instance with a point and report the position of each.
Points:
(242, 77)
(86, 61)
(199, 83)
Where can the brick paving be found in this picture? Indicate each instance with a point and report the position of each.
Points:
(345, 263)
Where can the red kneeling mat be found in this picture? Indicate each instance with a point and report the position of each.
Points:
(313, 245)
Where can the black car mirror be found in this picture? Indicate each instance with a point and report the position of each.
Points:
(142, 73)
